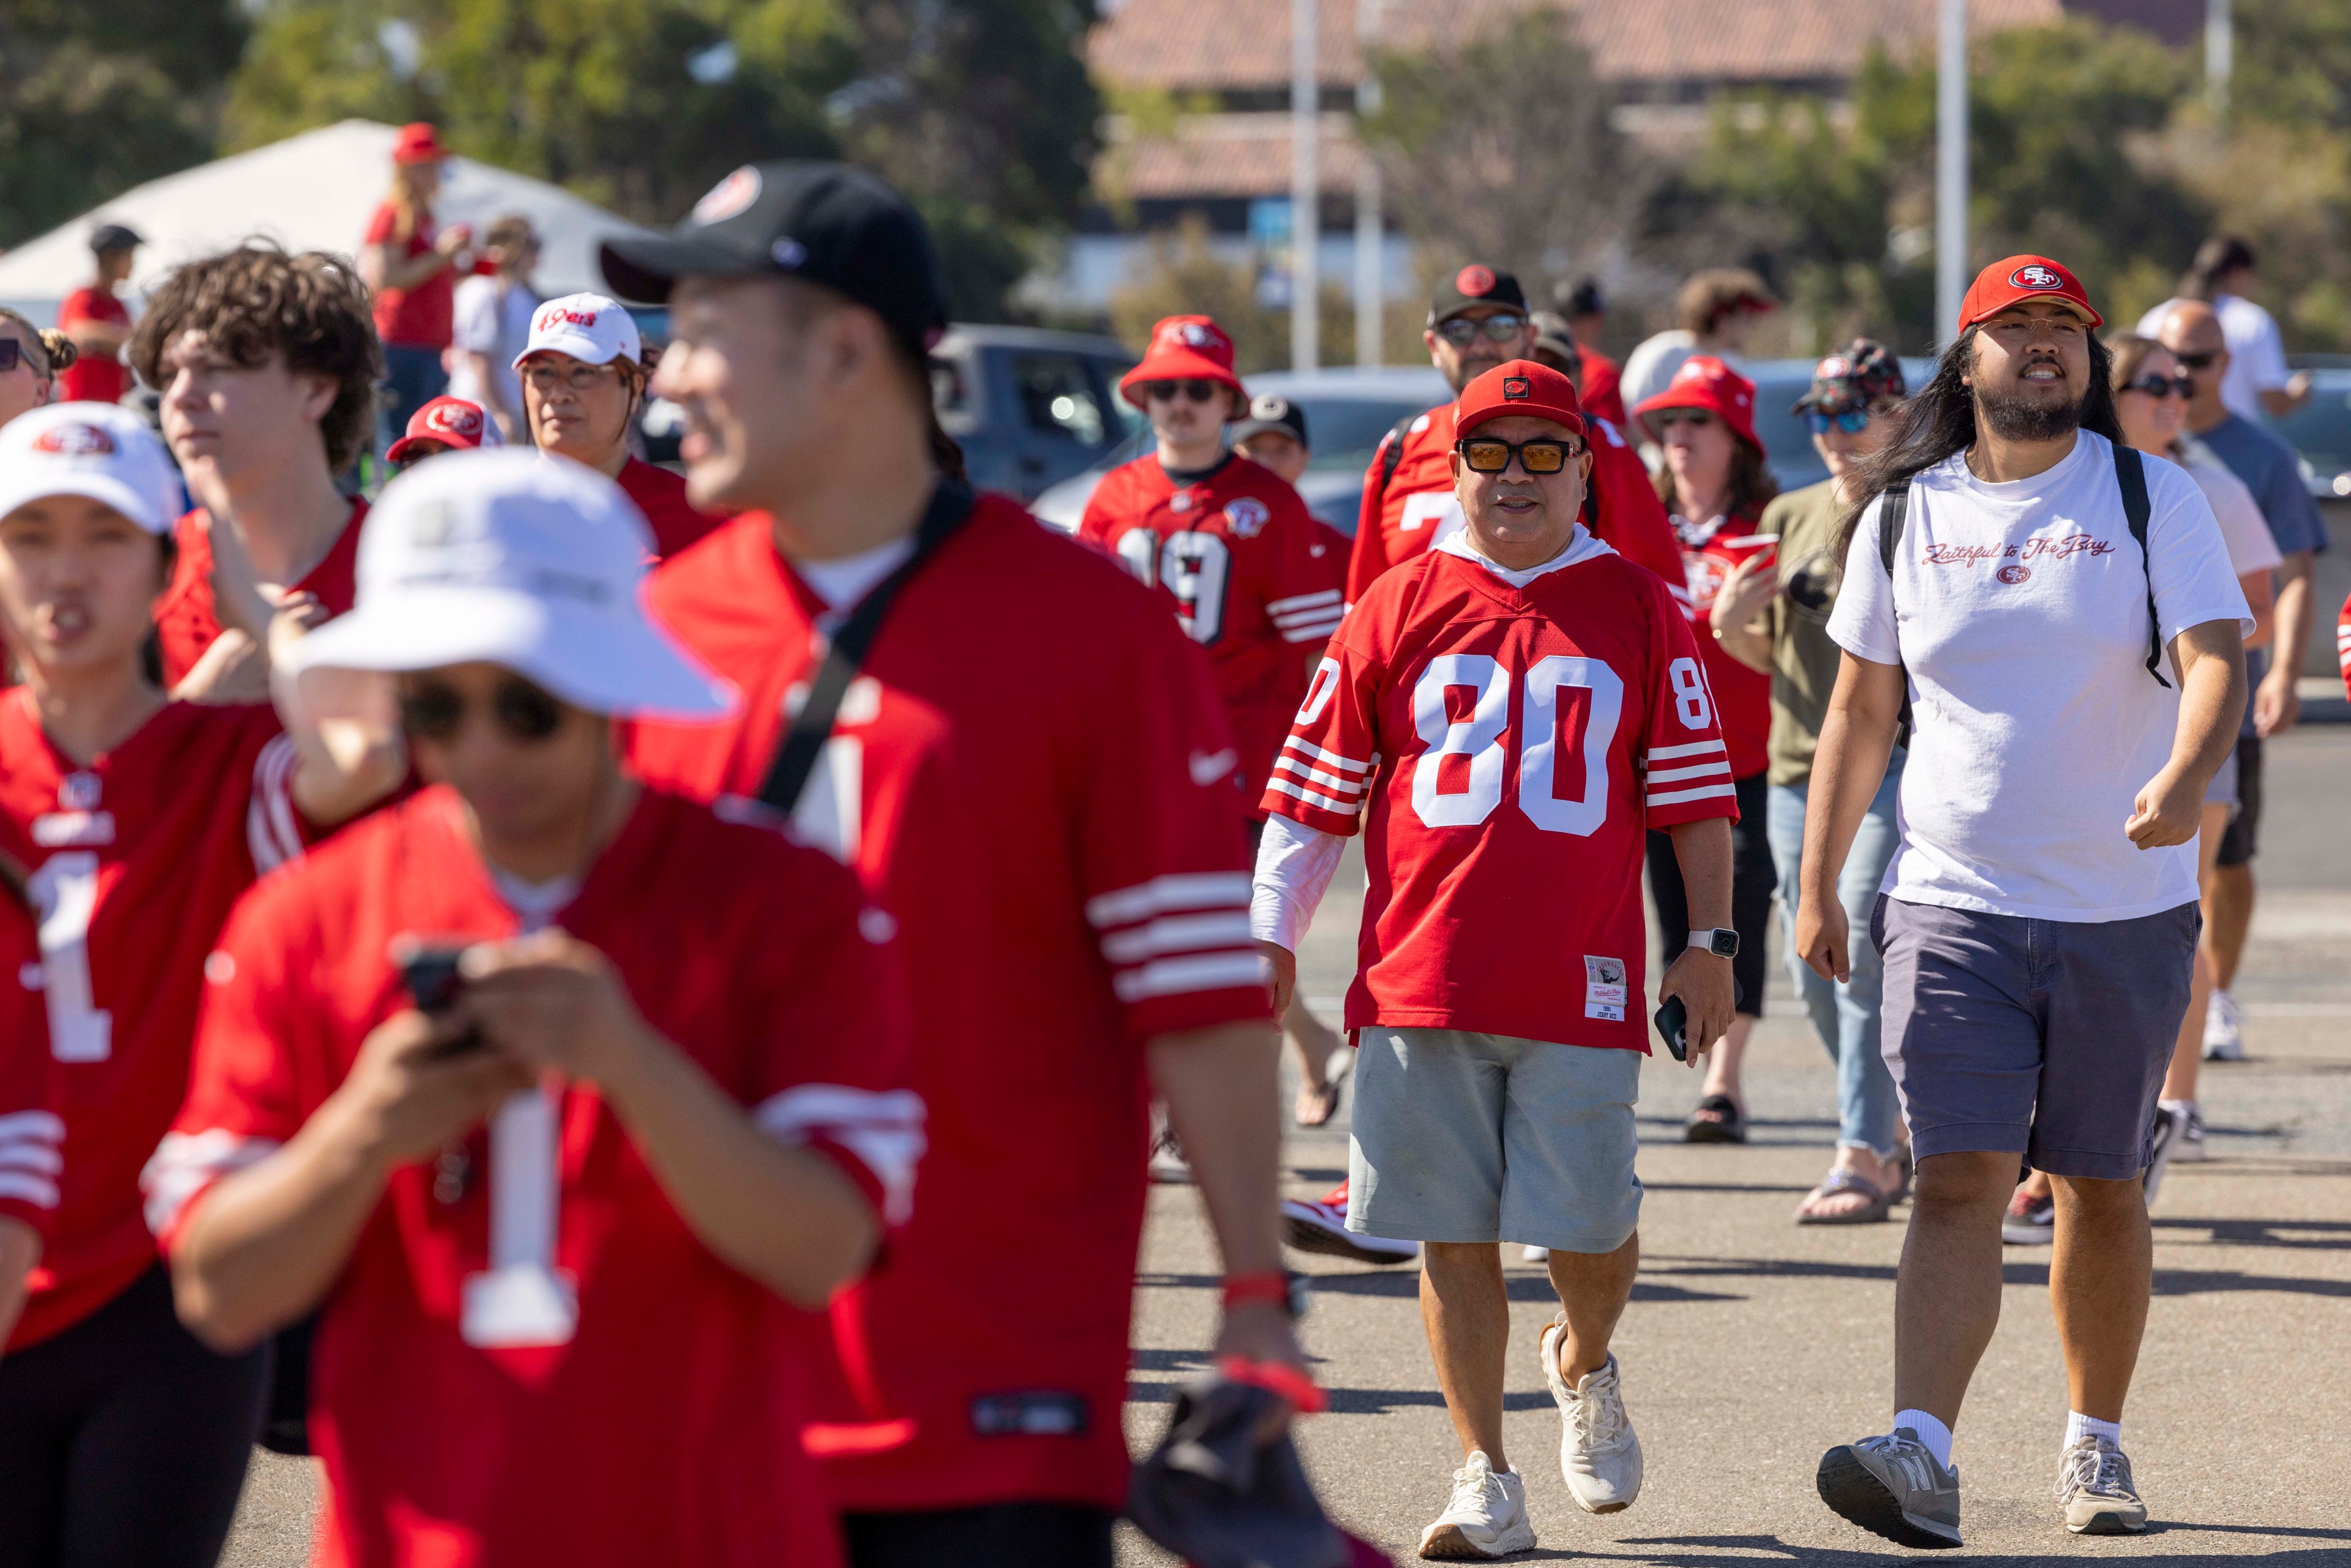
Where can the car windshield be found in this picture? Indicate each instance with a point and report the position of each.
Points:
(1347, 430)
(2321, 429)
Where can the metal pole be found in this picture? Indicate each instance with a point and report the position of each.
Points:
(1370, 233)
(1951, 171)
(1305, 191)
(2219, 58)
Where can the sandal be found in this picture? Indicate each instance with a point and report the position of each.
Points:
(1326, 1101)
(1716, 1121)
(1841, 1180)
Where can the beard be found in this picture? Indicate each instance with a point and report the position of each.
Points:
(2017, 416)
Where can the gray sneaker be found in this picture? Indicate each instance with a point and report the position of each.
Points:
(2094, 1483)
(1893, 1487)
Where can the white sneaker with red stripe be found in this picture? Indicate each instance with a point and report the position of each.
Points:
(1320, 1226)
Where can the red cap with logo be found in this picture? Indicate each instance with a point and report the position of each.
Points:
(1704, 381)
(450, 420)
(2020, 279)
(1183, 349)
(418, 143)
(1518, 388)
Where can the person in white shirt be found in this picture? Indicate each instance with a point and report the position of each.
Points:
(2256, 380)
(2059, 611)
(493, 322)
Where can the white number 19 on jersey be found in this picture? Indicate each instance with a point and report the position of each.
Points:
(64, 891)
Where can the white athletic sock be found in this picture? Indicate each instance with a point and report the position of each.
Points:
(1931, 1432)
(2178, 1107)
(2078, 1426)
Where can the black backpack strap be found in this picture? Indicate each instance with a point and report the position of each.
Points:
(1893, 512)
(2130, 473)
(951, 506)
(1392, 451)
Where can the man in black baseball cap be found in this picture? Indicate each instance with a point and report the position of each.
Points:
(1273, 436)
(97, 321)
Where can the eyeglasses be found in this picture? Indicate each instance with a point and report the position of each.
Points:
(1196, 390)
(1851, 421)
(1486, 454)
(12, 354)
(2162, 386)
(1461, 331)
(545, 378)
(2203, 361)
(429, 710)
(1665, 420)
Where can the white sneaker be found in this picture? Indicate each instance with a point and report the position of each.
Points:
(1535, 1255)
(2096, 1489)
(1486, 1516)
(1598, 1453)
(2224, 1039)
(2168, 1125)
(1168, 1166)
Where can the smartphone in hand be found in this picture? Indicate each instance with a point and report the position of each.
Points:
(1673, 1028)
(430, 972)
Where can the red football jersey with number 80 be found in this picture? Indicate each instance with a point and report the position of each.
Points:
(1513, 745)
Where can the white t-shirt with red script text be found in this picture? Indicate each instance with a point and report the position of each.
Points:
(2020, 610)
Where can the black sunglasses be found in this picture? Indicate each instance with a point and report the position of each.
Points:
(1486, 454)
(1461, 331)
(2162, 386)
(2203, 361)
(429, 710)
(1196, 390)
(12, 354)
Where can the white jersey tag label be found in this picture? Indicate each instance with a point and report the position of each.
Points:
(1604, 991)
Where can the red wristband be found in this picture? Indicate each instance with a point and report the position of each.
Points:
(1271, 1286)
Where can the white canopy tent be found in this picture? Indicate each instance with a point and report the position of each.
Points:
(311, 192)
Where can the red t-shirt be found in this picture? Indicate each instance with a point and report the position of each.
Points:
(1255, 577)
(93, 377)
(660, 494)
(1033, 775)
(1418, 505)
(667, 1428)
(2343, 645)
(32, 1086)
(1709, 551)
(1603, 386)
(1506, 739)
(185, 620)
(135, 862)
(424, 316)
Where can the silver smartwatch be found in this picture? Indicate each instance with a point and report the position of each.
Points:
(1722, 942)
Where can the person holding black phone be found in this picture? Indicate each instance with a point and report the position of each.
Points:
(572, 1101)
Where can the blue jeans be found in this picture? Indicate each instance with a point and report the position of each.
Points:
(413, 377)
(1846, 1015)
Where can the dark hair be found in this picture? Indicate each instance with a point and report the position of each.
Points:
(1579, 298)
(2215, 259)
(511, 230)
(1751, 485)
(1721, 291)
(1941, 419)
(258, 301)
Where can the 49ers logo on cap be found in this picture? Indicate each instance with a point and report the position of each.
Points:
(1474, 280)
(2036, 277)
(1190, 335)
(452, 419)
(74, 441)
(1516, 389)
(728, 197)
(554, 316)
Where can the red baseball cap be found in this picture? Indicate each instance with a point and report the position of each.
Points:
(1519, 387)
(1183, 349)
(1705, 381)
(418, 143)
(2018, 279)
(450, 420)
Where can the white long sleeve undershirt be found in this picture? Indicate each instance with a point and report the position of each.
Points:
(1294, 866)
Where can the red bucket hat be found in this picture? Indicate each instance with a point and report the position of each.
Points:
(1183, 349)
(418, 143)
(2017, 278)
(450, 420)
(1519, 387)
(1705, 381)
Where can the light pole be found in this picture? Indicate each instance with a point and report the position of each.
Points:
(1950, 171)
(1305, 193)
(2220, 56)
(1369, 296)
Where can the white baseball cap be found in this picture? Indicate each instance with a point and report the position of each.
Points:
(589, 328)
(504, 558)
(93, 449)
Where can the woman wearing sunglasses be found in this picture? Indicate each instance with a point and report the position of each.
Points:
(30, 361)
(133, 823)
(1714, 484)
(558, 1092)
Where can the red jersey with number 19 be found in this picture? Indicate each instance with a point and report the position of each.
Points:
(1514, 738)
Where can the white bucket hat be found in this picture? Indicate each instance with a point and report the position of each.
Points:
(92, 449)
(589, 328)
(504, 559)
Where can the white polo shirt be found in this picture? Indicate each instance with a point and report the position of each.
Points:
(2020, 611)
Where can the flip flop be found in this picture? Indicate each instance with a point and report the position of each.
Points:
(1839, 1181)
(1328, 1098)
(1722, 1127)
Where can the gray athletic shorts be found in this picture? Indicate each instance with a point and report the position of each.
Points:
(2044, 1038)
(1486, 1137)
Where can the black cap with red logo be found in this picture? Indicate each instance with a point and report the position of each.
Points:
(1471, 286)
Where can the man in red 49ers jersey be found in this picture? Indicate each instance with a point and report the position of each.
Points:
(1031, 772)
(1503, 718)
(564, 1337)
(1477, 318)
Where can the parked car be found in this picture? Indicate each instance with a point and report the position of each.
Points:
(1347, 411)
(2320, 430)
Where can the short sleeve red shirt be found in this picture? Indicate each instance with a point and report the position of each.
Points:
(1033, 775)
(424, 316)
(185, 620)
(32, 1087)
(1709, 552)
(667, 1428)
(135, 861)
(1603, 386)
(1255, 577)
(1488, 739)
(92, 378)
(660, 494)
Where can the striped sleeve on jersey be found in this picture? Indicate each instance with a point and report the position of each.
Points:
(1176, 934)
(184, 1163)
(2343, 645)
(1696, 770)
(1323, 780)
(32, 1157)
(1307, 617)
(881, 1131)
(273, 830)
